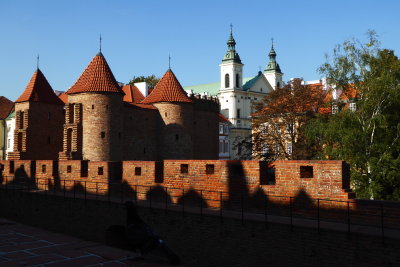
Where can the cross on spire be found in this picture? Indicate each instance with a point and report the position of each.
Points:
(100, 43)
(169, 61)
(272, 40)
(37, 62)
(231, 27)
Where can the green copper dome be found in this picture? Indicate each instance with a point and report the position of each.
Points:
(272, 65)
(231, 55)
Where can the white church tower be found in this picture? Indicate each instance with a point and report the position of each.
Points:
(231, 70)
(272, 71)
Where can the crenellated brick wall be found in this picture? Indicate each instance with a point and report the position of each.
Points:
(214, 181)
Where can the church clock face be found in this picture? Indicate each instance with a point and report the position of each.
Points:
(227, 55)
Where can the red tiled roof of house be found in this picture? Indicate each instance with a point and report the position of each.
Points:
(132, 94)
(63, 97)
(222, 118)
(6, 107)
(97, 77)
(39, 90)
(168, 89)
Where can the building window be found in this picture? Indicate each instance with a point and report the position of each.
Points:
(138, 171)
(277, 84)
(184, 168)
(289, 148)
(306, 172)
(221, 129)
(177, 137)
(43, 168)
(352, 106)
(260, 89)
(166, 114)
(226, 146)
(290, 128)
(227, 80)
(8, 143)
(264, 149)
(100, 171)
(238, 113)
(69, 169)
(209, 168)
(221, 143)
(237, 80)
(92, 106)
(335, 108)
(103, 134)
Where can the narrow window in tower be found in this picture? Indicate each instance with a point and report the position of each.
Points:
(49, 116)
(238, 113)
(119, 136)
(100, 171)
(226, 80)
(177, 137)
(277, 84)
(237, 80)
(103, 134)
(165, 114)
(69, 169)
(92, 106)
(48, 140)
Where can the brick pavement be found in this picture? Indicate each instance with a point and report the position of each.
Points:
(22, 245)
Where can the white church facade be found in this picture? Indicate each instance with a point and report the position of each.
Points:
(238, 94)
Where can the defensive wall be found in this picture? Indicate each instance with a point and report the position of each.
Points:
(234, 179)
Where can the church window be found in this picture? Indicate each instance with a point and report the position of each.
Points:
(237, 80)
(260, 89)
(238, 113)
(226, 80)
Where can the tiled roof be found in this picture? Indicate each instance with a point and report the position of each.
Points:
(132, 94)
(6, 106)
(97, 77)
(63, 97)
(168, 89)
(39, 90)
(223, 119)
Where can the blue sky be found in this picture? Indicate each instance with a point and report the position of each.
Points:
(139, 35)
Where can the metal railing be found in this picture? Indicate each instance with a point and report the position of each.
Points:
(240, 204)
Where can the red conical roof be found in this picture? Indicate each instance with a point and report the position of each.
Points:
(39, 90)
(168, 89)
(97, 77)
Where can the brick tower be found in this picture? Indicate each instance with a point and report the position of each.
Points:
(93, 119)
(39, 121)
(176, 112)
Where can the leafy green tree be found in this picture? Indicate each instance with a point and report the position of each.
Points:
(151, 80)
(367, 138)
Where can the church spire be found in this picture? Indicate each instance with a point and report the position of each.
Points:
(231, 55)
(272, 65)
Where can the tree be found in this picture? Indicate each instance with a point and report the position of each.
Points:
(280, 118)
(151, 80)
(367, 138)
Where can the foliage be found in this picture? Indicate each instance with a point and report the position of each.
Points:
(151, 80)
(280, 118)
(369, 137)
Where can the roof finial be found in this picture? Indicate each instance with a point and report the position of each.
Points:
(169, 61)
(231, 28)
(272, 40)
(100, 42)
(37, 62)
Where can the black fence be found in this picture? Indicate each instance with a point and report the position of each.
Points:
(376, 217)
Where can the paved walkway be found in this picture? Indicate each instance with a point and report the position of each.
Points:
(22, 245)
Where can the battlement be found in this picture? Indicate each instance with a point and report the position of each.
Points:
(205, 102)
(315, 179)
